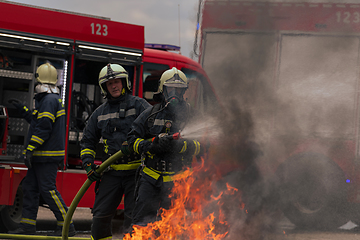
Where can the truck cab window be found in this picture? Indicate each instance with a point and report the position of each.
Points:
(151, 76)
(86, 91)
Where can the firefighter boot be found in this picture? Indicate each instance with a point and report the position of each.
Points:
(23, 231)
(101, 228)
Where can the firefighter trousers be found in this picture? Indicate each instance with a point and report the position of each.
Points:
(41, 180)
(151, 197)
(111, 190)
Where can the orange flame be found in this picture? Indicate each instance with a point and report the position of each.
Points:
(194, 213)
(231, 189)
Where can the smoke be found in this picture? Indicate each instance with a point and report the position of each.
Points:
(276, 99)
(241, 66)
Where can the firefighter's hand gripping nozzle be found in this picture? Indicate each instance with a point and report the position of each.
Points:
(162, 143)
(174, 136)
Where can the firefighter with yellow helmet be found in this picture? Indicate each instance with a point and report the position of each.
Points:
(45, 150)
(163, 157)
(111, 121)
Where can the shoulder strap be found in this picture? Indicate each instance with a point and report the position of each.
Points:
(123, 105)
(151, 118)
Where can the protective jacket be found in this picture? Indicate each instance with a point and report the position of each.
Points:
(150, 124)
(111, 121)
(46, 137)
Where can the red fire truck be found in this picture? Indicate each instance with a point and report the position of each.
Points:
(78, 46)
(294, 66)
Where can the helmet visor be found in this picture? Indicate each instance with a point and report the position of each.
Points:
(173, 92)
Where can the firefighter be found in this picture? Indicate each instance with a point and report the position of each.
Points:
(111, 121)
(45, 150)
(163, 157)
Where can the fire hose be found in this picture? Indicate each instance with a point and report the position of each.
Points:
(84, 188)
(80, 194)
(73, 205)
(99, 170)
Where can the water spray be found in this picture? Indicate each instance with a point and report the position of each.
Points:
(204, 128)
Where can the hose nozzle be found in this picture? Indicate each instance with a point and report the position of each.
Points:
(175, 136)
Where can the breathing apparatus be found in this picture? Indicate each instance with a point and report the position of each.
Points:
(172, 86)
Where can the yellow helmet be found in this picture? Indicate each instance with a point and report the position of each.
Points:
(46, 73)
(112, 71)
(173, 78)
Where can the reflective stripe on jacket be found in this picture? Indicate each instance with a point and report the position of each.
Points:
(46, 136)
(164, 121)
(105, 122)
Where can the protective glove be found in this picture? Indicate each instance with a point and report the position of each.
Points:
(91, 173)
(160, 145)
(191, 147)
(125, 148)
(28, 157)
(165, 144)
(16, 102)
(179, 146)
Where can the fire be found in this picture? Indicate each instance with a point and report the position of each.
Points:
(195, 213)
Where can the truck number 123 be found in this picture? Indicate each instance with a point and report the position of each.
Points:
(347, 17)
(99, 29)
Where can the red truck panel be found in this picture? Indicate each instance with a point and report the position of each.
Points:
(5, 185)
(70, 26)
(75, 179)
(10, 180)
(11, 177)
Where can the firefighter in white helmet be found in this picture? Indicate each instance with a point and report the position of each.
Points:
(164, 156)
(46, 76)
(45, 150)
(111, 121)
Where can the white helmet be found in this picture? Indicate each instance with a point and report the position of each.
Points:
(172, 78)
(173, 83)
(46, 73)
(112, 71)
